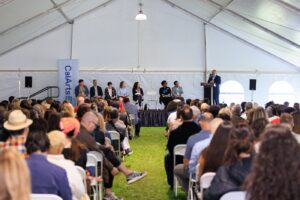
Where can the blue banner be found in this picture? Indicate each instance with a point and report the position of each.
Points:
(68, 73)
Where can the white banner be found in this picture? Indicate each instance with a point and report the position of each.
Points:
(68, 73)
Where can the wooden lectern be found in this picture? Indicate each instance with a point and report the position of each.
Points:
(208, 91)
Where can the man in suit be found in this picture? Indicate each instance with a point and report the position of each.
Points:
(95, 90)
(216, 81)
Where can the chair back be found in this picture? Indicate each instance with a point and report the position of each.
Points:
(99, 158)
(116, 142)
(206, 180)
(239, 195)
(44, 197)
(107, 140)
(92, 162)
(83, 176)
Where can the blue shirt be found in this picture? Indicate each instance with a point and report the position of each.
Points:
(123, 92)
(196, 152)
(47, 178)
(202, 135)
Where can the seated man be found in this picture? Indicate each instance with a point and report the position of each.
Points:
(46, 178)
(179, 136)
(133, 110)
(112, 165)
(115, 124)
(181, 170)
(16, 132)
(55, 156)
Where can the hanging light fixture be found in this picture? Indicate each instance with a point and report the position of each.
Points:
(141, 16)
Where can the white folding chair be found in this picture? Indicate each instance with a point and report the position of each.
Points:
(238, 195)
(107, 141)
(132, 122)
(115, 136)
(152, 98)
(193, 180)
(44, 197)
(92, 162)
(205, 182)
(99, 158)
(179, 150)
(83, 176)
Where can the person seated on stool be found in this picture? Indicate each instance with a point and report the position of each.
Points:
(123, 90)
(177, 91)
(137, 93)
(165, 93)
(81, 89)
(95, 90)
(110, 92)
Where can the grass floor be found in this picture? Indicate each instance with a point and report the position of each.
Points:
(148, 155)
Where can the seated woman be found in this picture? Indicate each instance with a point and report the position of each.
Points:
(165, 93)
(123, 90)
(14, 176)
(137, 93)
(276, 171)
(110, 92)
(212, 156)
(237, 163)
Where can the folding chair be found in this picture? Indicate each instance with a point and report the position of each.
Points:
(99, 158)
(107, 140)
(179, 150)
(205, 182)
(83, 176)
(132, 122)
(44, 197)
(92, 163)
(239, 195)
(116, 142)
(193, 180)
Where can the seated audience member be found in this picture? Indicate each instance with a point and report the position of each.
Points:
(68, 109)
(296, 106)
(195, 108)
(225, 114)
(275, 173)
(201, 145)
(57, 141)
(54, 122)
(237, 163)
(174, 124)
(165, 94)
(258, 113)
(177, 90)
(296, 118)
(73, 149)
(115, 124)
(46, 178)
(204, 107)
(181, 170)
(212, 156)
(137, 93)
(248, 107)
(123, 90)
(96, 90)
(258, 127)
(81, 90)
(133, 110)
(179, 136)
(110, 92)
(111, 164)
(39, 124)
(14, 176)
(287, 119)
(214, 110)
(17, 128)
(171, 109)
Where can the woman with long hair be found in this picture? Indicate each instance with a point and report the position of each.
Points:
(275, 174)
(236, 166)
(137, 93)
(123, 90)
(212, 156)
(14, 176)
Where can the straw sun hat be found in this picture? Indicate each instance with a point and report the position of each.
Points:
(17, 121)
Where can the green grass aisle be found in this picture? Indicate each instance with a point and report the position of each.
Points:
(148, 155)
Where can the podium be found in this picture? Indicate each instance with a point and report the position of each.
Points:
(208, 91)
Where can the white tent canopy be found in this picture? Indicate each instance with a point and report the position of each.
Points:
(181, 40)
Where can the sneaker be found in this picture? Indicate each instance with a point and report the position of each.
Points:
(135, 176)
(128, 152)
(111, 196)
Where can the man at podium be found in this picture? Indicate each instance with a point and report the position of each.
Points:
(216, 81)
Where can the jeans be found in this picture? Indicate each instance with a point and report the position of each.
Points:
(169, 169)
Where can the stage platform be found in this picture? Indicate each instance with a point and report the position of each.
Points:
(153, 118)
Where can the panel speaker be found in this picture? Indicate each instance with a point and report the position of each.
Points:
(28, 81)
(252, 84)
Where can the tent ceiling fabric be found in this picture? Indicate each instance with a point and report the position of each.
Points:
(272, 25)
